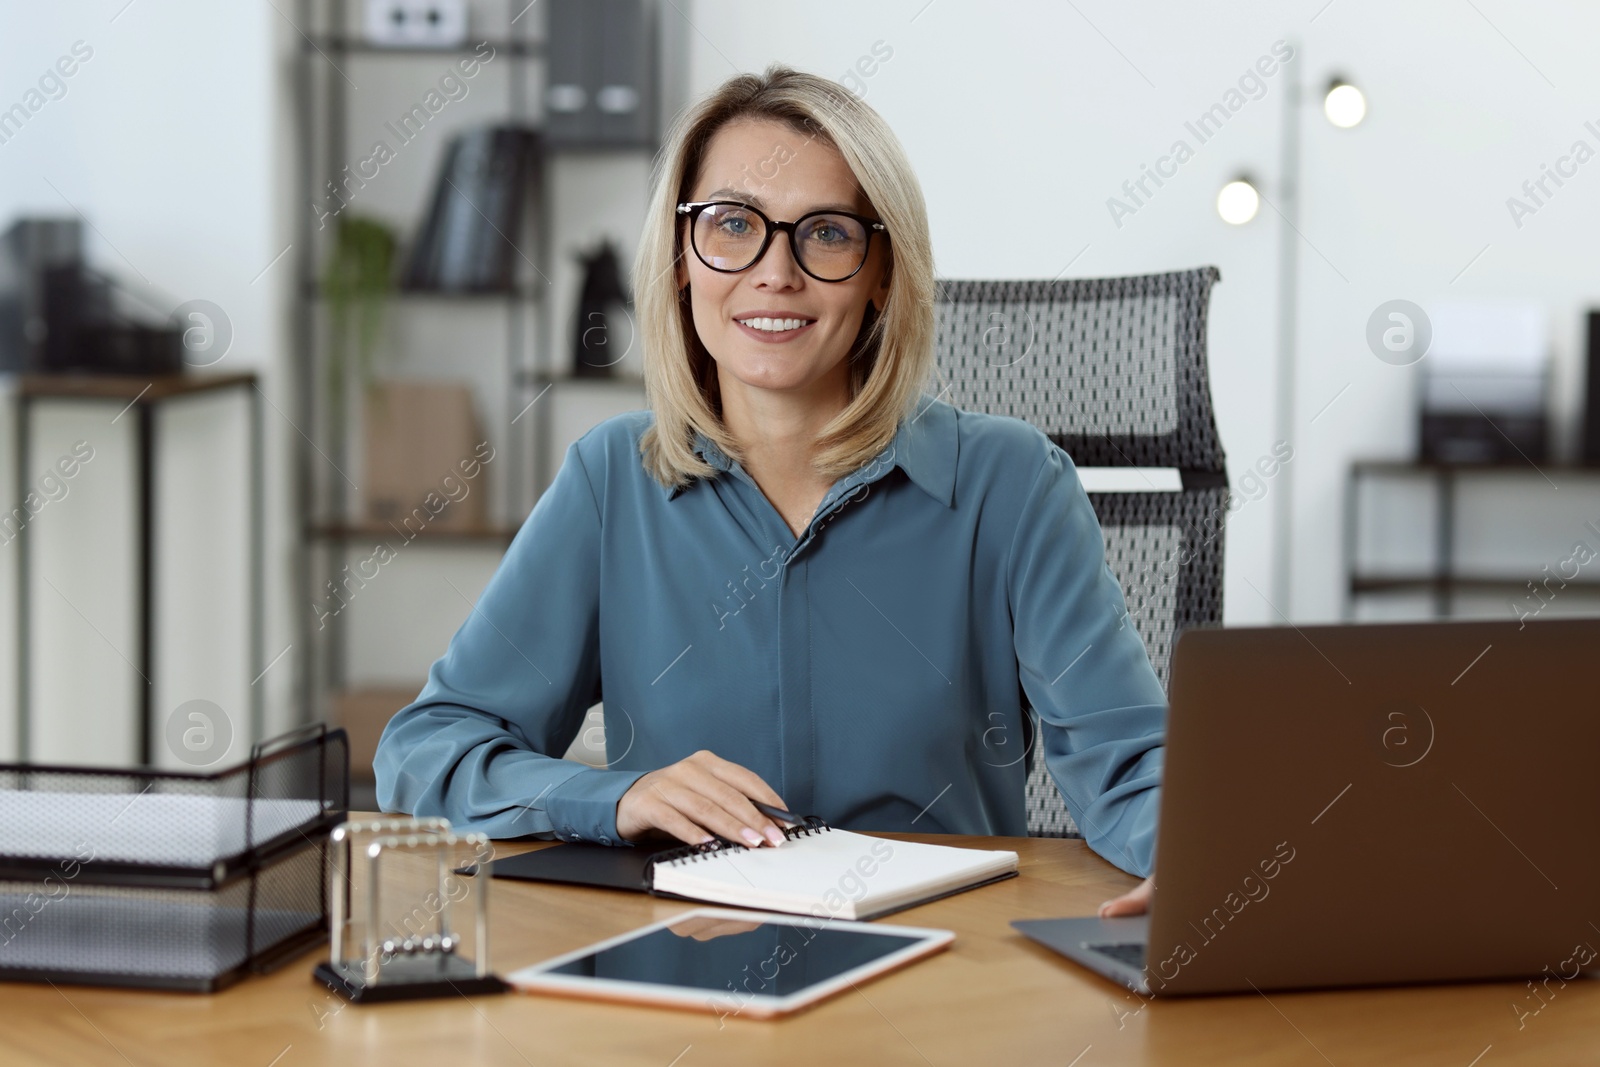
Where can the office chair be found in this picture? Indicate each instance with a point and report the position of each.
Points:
(1114, 371)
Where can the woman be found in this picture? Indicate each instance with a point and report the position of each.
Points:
(799, 578)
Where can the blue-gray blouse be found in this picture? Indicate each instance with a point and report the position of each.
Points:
(876, 671)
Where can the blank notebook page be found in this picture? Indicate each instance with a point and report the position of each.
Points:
(871, 874)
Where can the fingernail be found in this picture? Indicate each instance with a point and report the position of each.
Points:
(1105, 907)
(775, 835)
(751, 838)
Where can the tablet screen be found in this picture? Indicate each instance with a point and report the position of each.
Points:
(721, 955)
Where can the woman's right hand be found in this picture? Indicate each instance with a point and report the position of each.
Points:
(697, 797)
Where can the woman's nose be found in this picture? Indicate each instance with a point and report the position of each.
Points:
(777, 264)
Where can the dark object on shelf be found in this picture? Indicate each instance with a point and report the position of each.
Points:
(131, 348)
(57, 316)
(169, 879)
(31, 252)
(601, 74)
(1488, 438)
(598, 344)
(1591, 409)
(1483, 415)
(467, 242)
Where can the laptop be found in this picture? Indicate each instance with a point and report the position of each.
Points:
(1368, 805)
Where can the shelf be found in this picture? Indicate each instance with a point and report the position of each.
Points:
(1438, 585)
(539, 377)
(381, 531)
(531, 293)
(1402, 466)
(357, 46)
(129, 387)
(600, 146)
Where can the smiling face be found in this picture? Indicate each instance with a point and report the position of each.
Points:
(776, 169)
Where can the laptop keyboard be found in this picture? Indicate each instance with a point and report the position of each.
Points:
(1128, 952)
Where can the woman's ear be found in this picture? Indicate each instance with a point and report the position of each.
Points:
(880, 296)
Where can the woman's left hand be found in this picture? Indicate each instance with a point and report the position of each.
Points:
(1135, 901)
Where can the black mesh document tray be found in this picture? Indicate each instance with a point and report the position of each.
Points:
(169, 879)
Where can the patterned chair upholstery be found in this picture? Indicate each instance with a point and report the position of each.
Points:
(1114, 371)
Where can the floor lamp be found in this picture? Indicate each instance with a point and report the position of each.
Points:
(1344, 106)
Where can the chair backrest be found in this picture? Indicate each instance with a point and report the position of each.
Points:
(1114, 371)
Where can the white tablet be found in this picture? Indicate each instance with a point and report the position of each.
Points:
(735, 963)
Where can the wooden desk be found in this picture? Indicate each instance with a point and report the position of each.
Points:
(992, 998)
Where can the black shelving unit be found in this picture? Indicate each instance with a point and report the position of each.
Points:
(323, 497)
(1443, 581)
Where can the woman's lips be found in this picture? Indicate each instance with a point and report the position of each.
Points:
(773, 336)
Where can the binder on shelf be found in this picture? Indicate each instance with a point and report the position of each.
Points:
(468, 241)
(601, 77)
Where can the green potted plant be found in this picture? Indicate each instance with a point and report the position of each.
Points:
(358, 281)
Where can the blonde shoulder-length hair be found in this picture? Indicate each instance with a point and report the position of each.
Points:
(892, 359)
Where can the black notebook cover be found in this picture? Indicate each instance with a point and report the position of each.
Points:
(582, 863)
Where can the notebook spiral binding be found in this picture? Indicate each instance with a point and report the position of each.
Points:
(695, 853)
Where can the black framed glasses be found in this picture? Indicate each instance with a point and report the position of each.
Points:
(730, 236)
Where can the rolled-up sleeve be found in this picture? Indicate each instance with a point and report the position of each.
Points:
(481, 744)
(1085, 671)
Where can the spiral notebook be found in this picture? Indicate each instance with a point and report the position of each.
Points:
(846, 875)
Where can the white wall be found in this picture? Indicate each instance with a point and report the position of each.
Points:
(1037, 111)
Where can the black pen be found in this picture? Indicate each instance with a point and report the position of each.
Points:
(778, 813)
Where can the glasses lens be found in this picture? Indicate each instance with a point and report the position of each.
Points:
(728, 236)
(832, 247)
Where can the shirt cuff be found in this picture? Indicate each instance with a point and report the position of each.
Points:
(584, 807)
